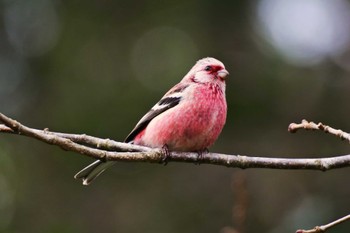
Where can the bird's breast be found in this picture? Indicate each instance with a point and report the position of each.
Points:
(193, 125)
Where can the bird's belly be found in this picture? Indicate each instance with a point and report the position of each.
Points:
(192, 128)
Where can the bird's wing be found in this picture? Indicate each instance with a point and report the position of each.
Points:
(169, 100)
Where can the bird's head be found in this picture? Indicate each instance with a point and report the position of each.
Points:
(207, 70)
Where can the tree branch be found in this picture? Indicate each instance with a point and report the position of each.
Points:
(293, 128)
(324, 228)
(106, 149)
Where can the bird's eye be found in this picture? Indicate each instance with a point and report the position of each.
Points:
(207, 68)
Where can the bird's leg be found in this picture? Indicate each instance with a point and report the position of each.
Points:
(166, 153)
(200, 155)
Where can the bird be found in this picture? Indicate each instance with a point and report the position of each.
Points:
(189, 117)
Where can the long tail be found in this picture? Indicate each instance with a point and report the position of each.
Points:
(91, 172)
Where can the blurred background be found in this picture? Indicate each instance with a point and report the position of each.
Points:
(97, 66)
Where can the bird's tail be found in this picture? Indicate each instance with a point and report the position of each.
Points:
(91, 172)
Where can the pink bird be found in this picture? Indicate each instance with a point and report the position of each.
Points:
(189, 117)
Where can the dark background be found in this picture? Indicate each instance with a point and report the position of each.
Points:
(96, 67)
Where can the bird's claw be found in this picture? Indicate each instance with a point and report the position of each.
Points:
(166, 154)
(200, 155)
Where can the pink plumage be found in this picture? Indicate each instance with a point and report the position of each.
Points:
(189, 117)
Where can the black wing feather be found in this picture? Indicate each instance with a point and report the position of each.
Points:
(168, 103)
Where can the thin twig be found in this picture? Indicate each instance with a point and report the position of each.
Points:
(324, 228)
(5, 129)
(106, 149)
(309, 125)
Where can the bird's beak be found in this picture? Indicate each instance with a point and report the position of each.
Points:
(223, 73)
